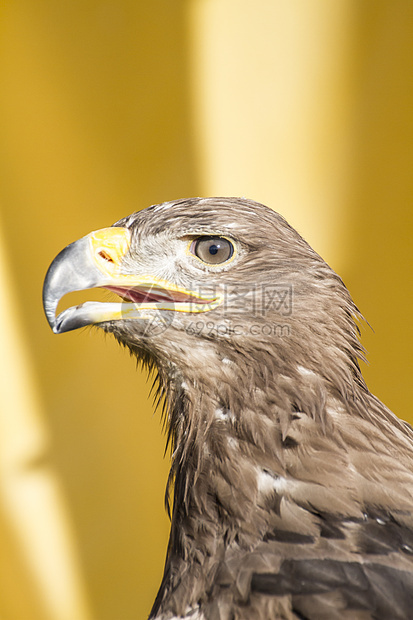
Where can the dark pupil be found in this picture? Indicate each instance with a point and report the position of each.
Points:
(213, 249)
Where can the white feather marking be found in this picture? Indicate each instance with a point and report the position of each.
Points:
(223, 414)
(267, 482)
(306, 372)
(283, 484)
(334, 408)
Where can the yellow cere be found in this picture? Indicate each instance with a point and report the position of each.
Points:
(108, 247)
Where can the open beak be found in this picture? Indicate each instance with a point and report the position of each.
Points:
(95, 261)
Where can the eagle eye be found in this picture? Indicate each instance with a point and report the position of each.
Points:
(212, 250)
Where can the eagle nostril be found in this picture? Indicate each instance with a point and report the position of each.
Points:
(105, 256)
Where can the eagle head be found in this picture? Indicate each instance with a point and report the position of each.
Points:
(208, 283)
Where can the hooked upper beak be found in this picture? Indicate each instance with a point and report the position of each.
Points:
(96, 261)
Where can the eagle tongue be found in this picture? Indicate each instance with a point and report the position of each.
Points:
(139, 296)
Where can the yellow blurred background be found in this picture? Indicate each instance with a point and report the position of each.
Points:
(109, 106)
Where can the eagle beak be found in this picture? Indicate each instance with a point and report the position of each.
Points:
(95, 261)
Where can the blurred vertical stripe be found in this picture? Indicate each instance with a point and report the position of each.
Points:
(273, 93)
(39, 568)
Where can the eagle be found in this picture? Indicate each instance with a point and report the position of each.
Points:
(291, 485)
